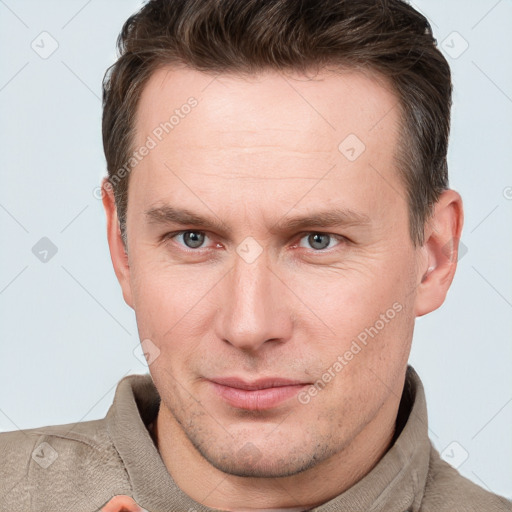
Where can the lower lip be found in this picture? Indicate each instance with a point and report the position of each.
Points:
(257, 399)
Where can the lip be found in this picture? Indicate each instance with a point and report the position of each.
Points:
(255, 395)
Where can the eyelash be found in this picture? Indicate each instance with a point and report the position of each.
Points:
(341, 239)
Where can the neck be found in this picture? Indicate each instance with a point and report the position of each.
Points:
(213, 488)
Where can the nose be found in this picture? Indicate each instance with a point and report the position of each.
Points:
(254, 308)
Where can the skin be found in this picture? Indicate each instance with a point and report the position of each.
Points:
(253, 152)
(121, 503)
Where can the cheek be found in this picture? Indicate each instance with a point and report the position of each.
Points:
(348, 298)
(163, 292)
(363, 366)
(359, 320)
(174, 309)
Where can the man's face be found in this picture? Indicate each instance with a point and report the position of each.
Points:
(252, 296)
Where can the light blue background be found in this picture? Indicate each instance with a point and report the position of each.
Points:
(67, 337)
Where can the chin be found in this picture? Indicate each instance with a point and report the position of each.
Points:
(251, 462)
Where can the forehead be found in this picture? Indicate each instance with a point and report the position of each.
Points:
(267, 138)
(306, 113)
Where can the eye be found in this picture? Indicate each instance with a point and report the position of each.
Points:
(321, 241)
(191, 239)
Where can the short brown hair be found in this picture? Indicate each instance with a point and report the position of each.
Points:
(247, 36)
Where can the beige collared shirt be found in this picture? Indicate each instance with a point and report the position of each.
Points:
(80, 467)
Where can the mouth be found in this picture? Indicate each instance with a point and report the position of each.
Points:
(256, 395)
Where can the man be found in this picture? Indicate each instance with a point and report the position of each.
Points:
(278, 214)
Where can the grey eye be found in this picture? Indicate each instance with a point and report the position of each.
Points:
(319, 240)
(193, 239)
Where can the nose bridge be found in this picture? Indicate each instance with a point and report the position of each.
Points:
(251, 313)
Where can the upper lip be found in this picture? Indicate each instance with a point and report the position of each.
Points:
(264, 383)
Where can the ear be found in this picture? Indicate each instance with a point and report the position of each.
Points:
(440, 252)
(115, 242)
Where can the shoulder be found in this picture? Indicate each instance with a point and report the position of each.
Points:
(447, 490)
(73, 466)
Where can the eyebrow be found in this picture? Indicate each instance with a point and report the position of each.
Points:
(334, 217)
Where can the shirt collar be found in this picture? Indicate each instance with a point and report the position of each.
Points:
(395, 484)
